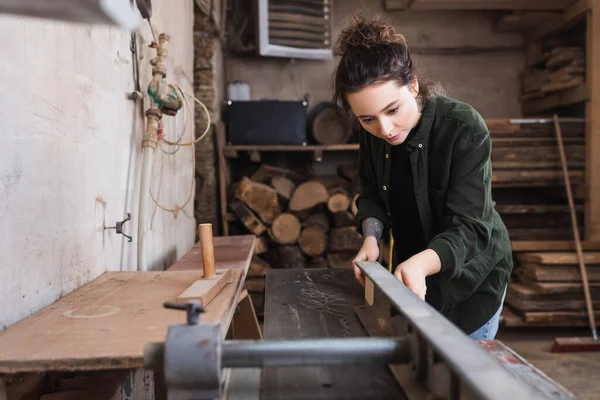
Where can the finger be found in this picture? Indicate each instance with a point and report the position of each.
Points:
(398, 275)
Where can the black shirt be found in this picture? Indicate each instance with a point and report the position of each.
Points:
(406, 222)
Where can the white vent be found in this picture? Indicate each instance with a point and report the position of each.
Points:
(295, 29)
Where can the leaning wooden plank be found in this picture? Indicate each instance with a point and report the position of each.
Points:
(205, 290)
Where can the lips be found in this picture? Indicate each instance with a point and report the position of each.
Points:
(391, 139)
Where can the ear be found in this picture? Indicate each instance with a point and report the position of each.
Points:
(414, 87)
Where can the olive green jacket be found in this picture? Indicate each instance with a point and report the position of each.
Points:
(450, 158)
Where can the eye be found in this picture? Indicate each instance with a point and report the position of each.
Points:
(367, 120)
(393, 111)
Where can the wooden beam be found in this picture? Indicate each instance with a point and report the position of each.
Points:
(555, 100)
(478, 4)
(571, 16)
(592, 212)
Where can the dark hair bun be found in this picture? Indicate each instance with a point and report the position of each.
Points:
(366, 34)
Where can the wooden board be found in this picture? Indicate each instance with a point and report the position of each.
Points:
(205, 290)
(558, 273)
(106, 323)
(559, 258)
(319, 303)
(232, 252)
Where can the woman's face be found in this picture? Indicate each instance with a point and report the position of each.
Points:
(386, 110)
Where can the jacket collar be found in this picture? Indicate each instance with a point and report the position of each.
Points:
(427, 117)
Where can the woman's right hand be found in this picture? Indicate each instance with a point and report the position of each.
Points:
(368, 252)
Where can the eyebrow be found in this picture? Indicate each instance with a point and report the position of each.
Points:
(384, 108)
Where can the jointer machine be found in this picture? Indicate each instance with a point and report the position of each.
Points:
(421, 347)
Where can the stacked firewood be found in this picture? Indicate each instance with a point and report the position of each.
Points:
(558, 69)
(299, 221)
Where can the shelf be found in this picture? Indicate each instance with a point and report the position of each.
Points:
(447, 5)
(555, 100)
(231, 151)
(572, 16)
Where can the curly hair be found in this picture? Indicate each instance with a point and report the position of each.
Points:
(373, 53)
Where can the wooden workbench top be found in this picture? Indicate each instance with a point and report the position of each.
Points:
(106, 323)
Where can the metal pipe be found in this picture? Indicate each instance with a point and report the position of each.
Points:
(314, 352)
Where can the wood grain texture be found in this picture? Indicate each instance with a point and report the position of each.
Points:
(319, 303)
(106, 323)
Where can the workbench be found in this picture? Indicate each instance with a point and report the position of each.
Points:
(104, 325)
(323, 303)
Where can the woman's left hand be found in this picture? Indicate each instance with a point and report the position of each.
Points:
(413, 271)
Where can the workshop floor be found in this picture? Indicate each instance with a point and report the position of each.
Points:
(577, 372)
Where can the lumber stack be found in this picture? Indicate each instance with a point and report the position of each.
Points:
(528, 183)
(557, 69)
(299, 222)
(548, 291)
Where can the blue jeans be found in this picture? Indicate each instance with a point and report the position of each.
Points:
(488, 330)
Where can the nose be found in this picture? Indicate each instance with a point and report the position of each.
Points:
(386, 127)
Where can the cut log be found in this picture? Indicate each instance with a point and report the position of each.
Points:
(341, 260)
(285, 229)
(345, 239)
(348, 171)
(338, 203)
(250, 221)
(334, 184)
(320, 220)
(308, 195)
(317, 262)
(343, 219)
(313, 241)
(289, 256)
(262, 199)
(266, 172)
(353, 206)
(283, 186)
(258, 267)
(261, 246)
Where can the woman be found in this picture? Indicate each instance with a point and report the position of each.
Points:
(425, 172)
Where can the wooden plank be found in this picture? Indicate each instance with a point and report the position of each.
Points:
(319, 303)
(555, 100)
(534, 208)
(558, 258)
(489, 4)
(106, 323)
(542, 319)
(571, 16)
(233, 252)
(558, 273)
(551, 245)
(526, 298)
(592, 212)
(205, 290)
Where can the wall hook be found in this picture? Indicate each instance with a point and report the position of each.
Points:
(119, 227)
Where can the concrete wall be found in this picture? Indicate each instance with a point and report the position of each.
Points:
(70, 155)
(490, 81)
